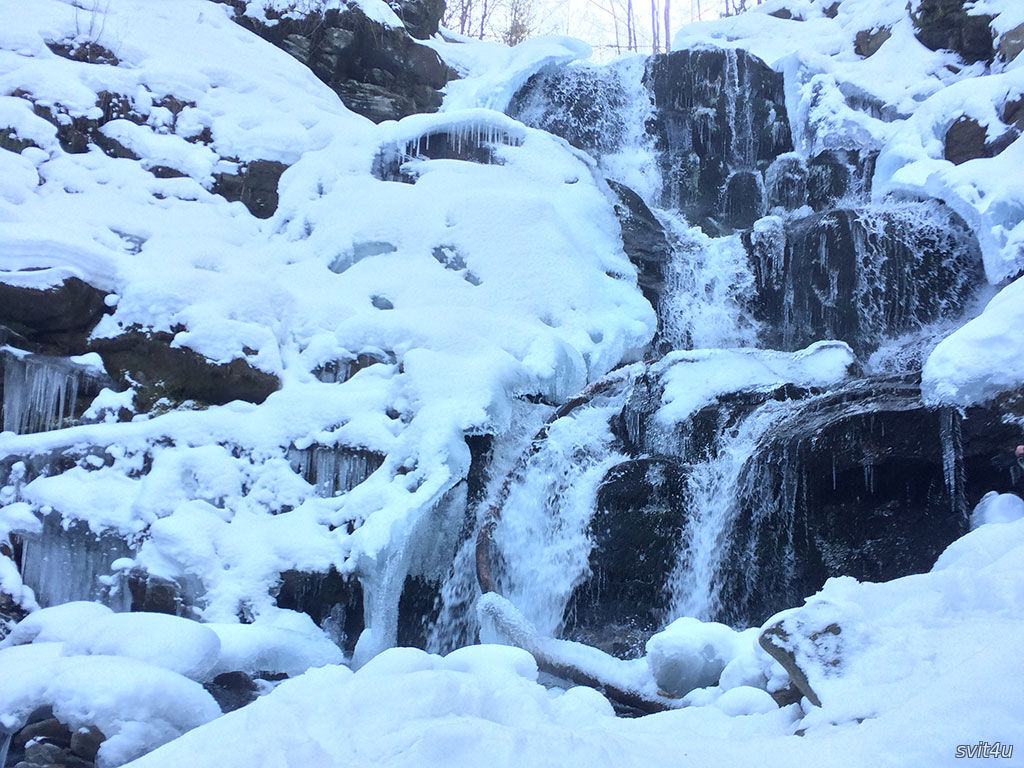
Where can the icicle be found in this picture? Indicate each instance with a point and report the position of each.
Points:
(39, 392)
(952, 460)
(69, 563)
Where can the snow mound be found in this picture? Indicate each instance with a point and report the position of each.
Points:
(997, 508)
(137, 706)
(56, 623)
(983, 358)
(691, 654)
(910, 654)
(256, 648)
(183, 646)
(695, 378)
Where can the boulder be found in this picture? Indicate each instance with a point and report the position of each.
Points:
(58, 319)
(644, 241)
(861, 275)
(717, 112)
(946, 24)
(1011, 43)
(379, 72)
(147, 361)
(863, 481)
(254, 185)
(232, 690)
(868, 41)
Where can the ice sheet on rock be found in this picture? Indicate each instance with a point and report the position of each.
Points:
(187, 647)
(137, 706)
(67, 561)
(982, 359)
(695, 378)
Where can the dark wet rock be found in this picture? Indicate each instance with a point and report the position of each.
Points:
(147, 361)
(862, 275)
(786, 182)
(50, 730)
(1013, 113)
(743, 200)
(835, 175)
(868, 41)
(254, 185)
(418, 609)
(232, 690)
(644, 241)
(379, 72)
(717, 112)
(636, 530)
(58, 319)
(76, 133)
(863, 481)
(155, 595)
(10, 612)
(10, 140)
(333, 601)
(420, 17)
(946, 24)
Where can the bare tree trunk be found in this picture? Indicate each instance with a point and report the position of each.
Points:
(655, 26)
(668, 26)
(615, 24)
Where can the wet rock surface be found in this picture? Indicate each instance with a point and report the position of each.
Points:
(636, 530)
(861, 275)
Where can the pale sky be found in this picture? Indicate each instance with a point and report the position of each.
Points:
(592, 20)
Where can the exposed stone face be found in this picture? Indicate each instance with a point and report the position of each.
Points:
(333, 601)
(644, 241)
(58, 320)
(159, 370)
(868, 41)
(718, 113)
(851, 483)
(379, 72)
(255, 186)
(1011, 44)
(232, 690)
(636, 530)
(862, 275)
(946, 24)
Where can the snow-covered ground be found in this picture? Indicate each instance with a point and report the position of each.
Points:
(477, 286)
